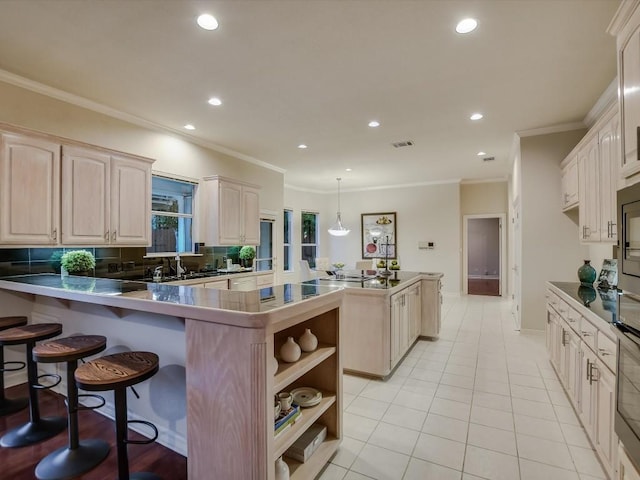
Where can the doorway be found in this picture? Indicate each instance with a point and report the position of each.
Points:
(483, 254)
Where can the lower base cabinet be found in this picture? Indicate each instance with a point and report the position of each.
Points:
(626, 468)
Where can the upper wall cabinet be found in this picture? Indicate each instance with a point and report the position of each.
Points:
(629, 69)
(30, 190)
(232, 213)
(86, 196)
(570, 190)
(589, 214)
(106, 199)
(609, 158)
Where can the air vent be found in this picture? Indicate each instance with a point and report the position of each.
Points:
(406, 143)
(488, 159)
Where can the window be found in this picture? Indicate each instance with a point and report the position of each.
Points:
(171, 215)
(288, 226)
(309, 240)
(264, 252)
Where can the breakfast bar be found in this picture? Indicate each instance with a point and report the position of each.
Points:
(213, 398)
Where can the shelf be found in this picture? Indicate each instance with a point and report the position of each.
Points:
(289, 372)
(308, 417)
(310, 468)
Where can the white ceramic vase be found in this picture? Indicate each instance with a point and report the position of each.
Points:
(282, 469)
(308, 341)
(274, 365)
(290, 352)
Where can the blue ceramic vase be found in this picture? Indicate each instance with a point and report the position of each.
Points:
(587, 274)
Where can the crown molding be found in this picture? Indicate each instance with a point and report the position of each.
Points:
(485, 180)
(366, 189)
(37, 87)
(607, 100)
(564, 127)
(622, 16)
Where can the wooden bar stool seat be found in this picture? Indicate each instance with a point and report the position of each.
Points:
(10, 405)
(37, 429)
(117, 372)
(79, 456)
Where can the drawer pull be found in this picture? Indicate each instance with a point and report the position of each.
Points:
(587, 334)
(604, 352)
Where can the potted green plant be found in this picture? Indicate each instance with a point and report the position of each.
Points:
(247, 254)
(78, 262)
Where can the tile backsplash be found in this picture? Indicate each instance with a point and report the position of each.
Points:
(126, 263)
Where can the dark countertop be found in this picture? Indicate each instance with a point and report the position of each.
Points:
(601, 302)
(354, 279)
(178, 300)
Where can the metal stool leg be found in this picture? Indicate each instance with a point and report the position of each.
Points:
(120, 401)
(9, 405)
(38, 429)
(81, 455)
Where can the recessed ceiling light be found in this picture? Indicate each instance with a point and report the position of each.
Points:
(348, 169)
(467, 25)
(481, 153)
(374, 124)
(208, 22)
(215, 101)
(476, 116)
(302, 146)
(188, 126)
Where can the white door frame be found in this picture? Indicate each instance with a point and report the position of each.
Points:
(465, 249)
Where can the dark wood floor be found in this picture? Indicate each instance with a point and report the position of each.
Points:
(481, 286)
(20, 463)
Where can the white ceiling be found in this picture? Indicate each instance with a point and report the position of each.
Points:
(317, 71)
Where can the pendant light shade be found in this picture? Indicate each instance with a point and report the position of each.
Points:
(337, 229)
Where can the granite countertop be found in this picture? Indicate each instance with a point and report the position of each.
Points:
(355, 279)
(247, 308)
(603, 303)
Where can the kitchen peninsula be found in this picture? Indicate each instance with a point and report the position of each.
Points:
(383, 316)
(223, 342)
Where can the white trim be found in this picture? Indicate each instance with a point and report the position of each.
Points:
(381, 187)
(82, 102)
(175, 176)
(608, 98)
(502, 249)
(622, 16)
(563, 127)
(486, 180)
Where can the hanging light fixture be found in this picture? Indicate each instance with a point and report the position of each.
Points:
(337, 229)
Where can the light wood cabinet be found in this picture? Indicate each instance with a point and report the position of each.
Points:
(29, 190)
(589, 180)
(232, 214)
(569, 184)
(626, 468)
(404, 319)
(431, 305)
(106, 199)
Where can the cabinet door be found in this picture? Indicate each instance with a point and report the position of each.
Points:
(608, 157)
(626, 468)
(229, 214)
(30, 191)
(130, 201)
(85, 196)
(396, 321)
(416, 311)
(588, 401)
(606, 439)
(573, 367)
(589, 213)
(570, 196)
(630, 95)
(250, 216)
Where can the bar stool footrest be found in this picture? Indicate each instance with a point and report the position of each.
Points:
(47, 387)
(19, 366)
(71, 463)
(34, 432)
(100, 399)
(144, 442)
(143, 476)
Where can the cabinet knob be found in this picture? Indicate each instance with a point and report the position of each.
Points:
(113, 236)
(604, 352)
(106, 235)
(54, 235)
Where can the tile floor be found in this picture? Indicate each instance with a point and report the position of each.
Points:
(482, 402)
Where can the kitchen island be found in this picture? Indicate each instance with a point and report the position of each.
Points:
(213, 397)
(384, 316)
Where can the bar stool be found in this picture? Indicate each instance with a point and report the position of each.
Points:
(37, 429)
(79, 456)
(10, 405)
(117, 372)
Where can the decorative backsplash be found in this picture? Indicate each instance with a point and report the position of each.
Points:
(126, 263)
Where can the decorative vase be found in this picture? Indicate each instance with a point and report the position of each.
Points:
(587, 274)
(274, 365)
(282, 469)
(587, 294)
(308, 341)
(290, 352)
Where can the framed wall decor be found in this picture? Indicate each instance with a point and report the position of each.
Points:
(379, 235)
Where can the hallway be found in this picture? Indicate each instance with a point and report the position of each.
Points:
(482, 402)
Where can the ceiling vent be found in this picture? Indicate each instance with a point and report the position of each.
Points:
(406, 143)
(488, 159)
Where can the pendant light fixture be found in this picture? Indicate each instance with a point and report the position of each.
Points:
(337, 229)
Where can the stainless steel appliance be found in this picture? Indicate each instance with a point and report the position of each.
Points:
(629, 238)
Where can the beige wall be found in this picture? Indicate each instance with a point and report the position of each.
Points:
(173, 153)
(484, 198)
(550, 247)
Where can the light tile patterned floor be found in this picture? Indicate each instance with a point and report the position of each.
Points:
(481, 402)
